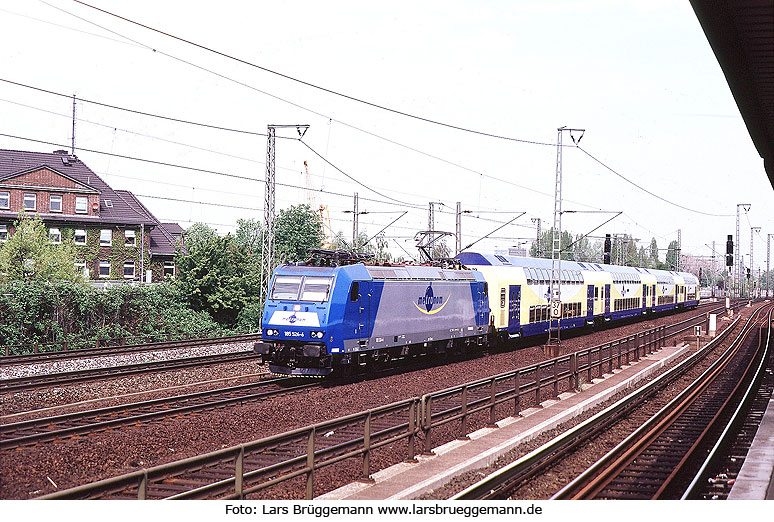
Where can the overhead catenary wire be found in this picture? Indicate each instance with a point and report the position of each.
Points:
(312, 85)
(648, 191)
(505, 181)
(205, 171)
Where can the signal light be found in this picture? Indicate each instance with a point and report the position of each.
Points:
(606, 256)
(730, 245)
(729, 260)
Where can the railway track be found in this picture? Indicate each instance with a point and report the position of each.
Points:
(62, 378)
(35, 431)
(635, 478)
(289, 462)
(64, 354)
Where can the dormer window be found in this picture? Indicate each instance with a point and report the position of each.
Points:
(81, 204)
(108, 203)
(30, 201)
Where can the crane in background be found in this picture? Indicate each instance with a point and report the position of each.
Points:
(322, 210)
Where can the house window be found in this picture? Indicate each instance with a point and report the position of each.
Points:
(5, 200)
(3, 232)
(104, 268)
(55, 204)
(129, 269)
(105, 237)
(30, 201)
(80, 268)
(79, 236)
(55, 235)
(169, 269)
(131, 239)
(81, 204)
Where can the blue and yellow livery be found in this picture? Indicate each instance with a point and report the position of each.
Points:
(318, 319)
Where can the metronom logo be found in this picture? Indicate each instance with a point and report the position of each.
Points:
(427, 302)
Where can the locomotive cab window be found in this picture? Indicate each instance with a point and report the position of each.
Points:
(286, 287)
(354, 292)
(316, 289)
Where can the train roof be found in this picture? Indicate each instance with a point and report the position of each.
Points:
(479, 259)
(398, 272)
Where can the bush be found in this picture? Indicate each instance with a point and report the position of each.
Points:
(45, 312)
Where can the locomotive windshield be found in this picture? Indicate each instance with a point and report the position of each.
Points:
(311, 288)
(316, 288)
(286, 287)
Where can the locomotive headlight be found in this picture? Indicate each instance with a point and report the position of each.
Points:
(317, 335)
(272, 332)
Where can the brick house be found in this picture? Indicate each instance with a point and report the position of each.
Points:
(116, 236)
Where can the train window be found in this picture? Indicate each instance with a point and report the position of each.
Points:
(486, 289)
(286, 287)
(354, 292)
(502, 298)
(316, 288)
(596, 292)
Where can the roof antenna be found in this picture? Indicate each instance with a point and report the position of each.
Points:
(72, 146)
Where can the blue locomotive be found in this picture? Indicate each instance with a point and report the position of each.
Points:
(329, 315)
(320, 318)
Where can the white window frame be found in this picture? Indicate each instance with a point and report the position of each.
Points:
(51, 199)
(81, 205)
(55, 236)
(81, 263)
(34, 201)
(5, 200)
(169, 265)
(130, 234)
(3, 232)
(76, 235)
(126, 265)
(103, 264)
(102, 240)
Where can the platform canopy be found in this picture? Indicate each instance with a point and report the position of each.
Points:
(741, 34)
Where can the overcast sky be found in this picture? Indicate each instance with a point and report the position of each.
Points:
(639, 77)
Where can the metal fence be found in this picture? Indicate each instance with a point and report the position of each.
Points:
(299, 454)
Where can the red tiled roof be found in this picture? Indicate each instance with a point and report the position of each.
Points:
(163, 243)
(14, 162)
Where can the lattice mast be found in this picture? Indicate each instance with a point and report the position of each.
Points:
(555, 288)
(267, 250)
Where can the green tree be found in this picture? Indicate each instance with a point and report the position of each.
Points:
(29, 254)
(378, 246)
(218, 275)
(653, 261)
(297, 229)
(545, 245)
(673, 251)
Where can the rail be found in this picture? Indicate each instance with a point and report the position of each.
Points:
(98, 343)
(256, 466)
(298, 453)
(458, 403)
(526, 466)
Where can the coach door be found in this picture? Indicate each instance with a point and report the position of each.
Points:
(590, 301)
(653, 296)
(607, 299)
(514, 308)
(644, 296)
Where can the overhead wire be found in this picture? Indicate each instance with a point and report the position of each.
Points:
(646, 190)
(343, 123)
(309, 84)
